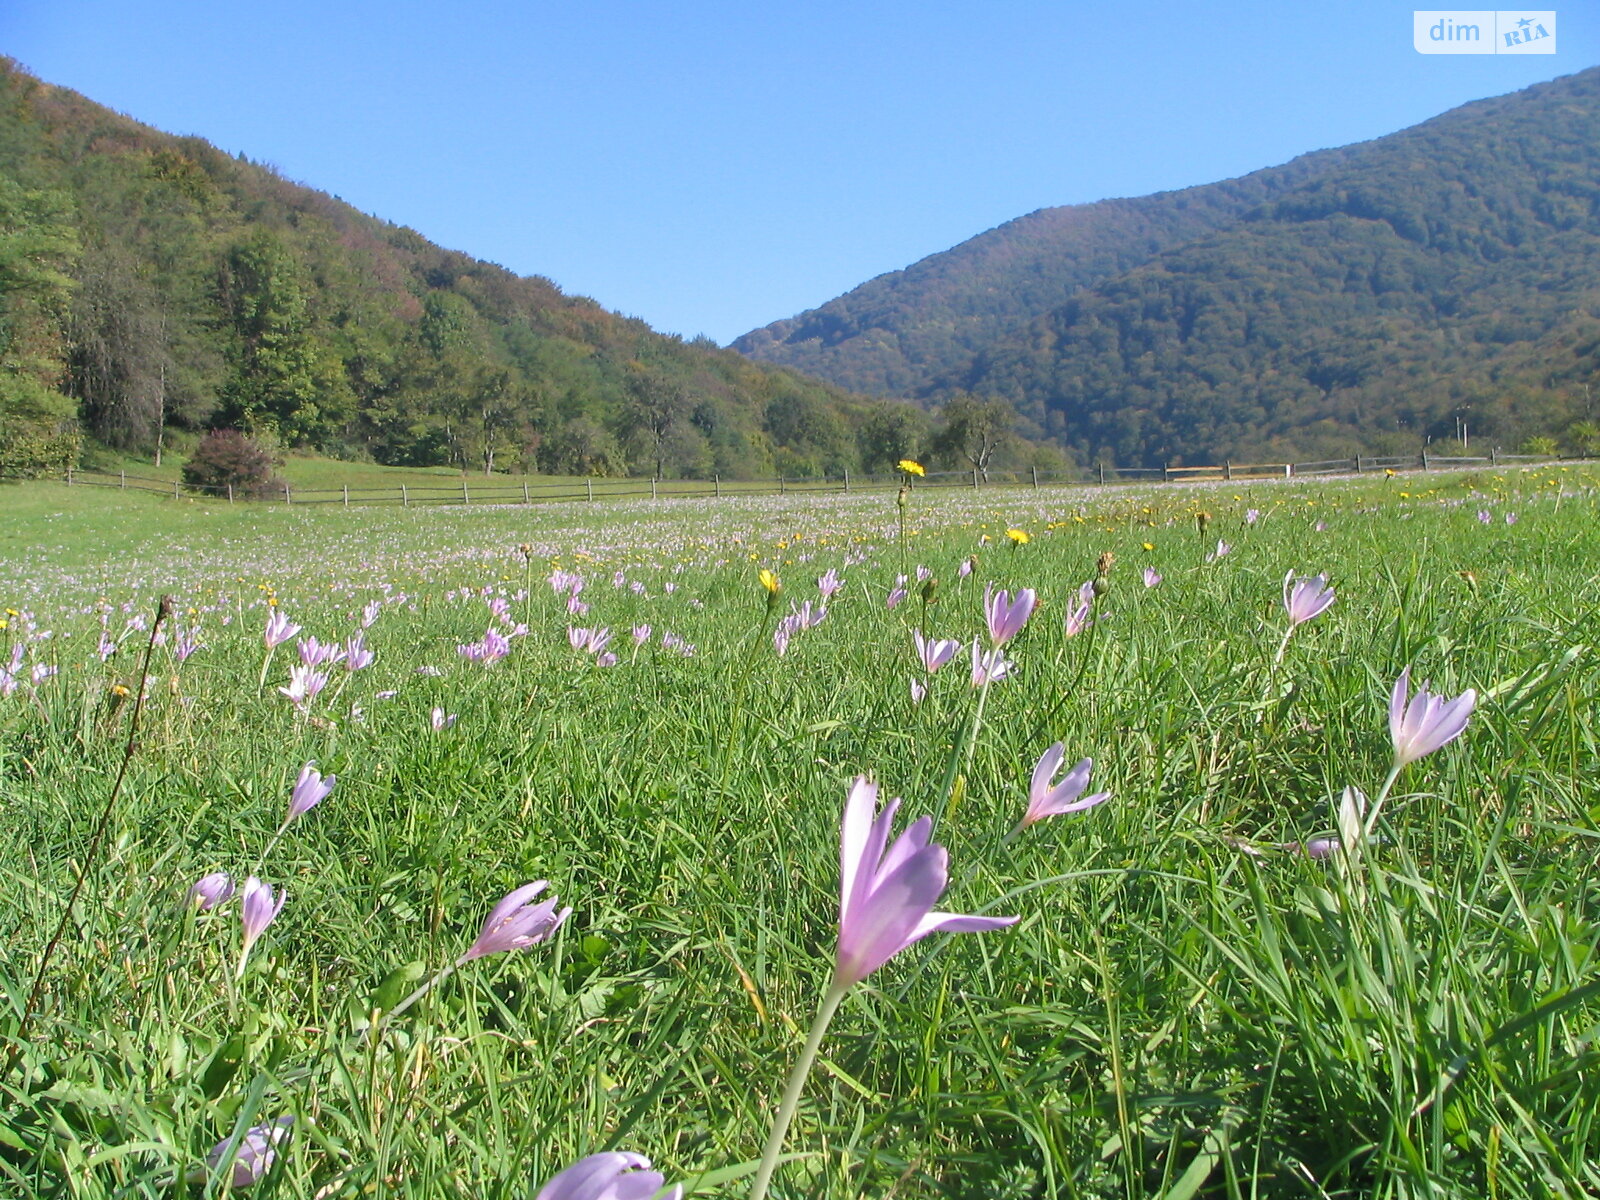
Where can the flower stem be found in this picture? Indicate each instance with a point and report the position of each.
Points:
(791, 1094)
(427, 986)
(1377, 805)
(1283, 646)
(964, 743)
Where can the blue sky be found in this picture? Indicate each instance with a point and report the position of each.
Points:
(711, 166)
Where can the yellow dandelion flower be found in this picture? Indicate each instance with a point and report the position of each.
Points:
(1018, 536)
(912, 467)
(770, 581)
(1149, 545)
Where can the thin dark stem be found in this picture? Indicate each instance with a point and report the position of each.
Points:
(163, 610)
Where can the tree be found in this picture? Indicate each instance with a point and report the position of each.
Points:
(38, 246)
(657, 406)
(892, 431)
(117, 360)
(581, 447)
(972, 429)
(274, 384)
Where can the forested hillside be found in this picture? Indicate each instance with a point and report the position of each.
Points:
(1372, 296)
(152, 287)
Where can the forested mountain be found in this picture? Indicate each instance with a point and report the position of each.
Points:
(1363, 297)
(152, 287)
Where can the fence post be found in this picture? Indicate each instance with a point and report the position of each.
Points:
(230, 493)
(780, 485)
(525, 498)
(1288, 470)
(716, 483)
(124, 475)
(1359, 467)
(286, 500)
(465, 498)
(847, 479)
(1166, 473)
(1494, 456)
(346, 495)
(1227, 469)
(1035, 471)
(405, 501)
(653, 487)
(1102, 473)
(588, 485)
(69, 476)
(1425, 460)
(175, 495)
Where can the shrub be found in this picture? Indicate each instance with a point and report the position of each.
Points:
(227, 457)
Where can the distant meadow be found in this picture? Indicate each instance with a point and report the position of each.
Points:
(1212, 841)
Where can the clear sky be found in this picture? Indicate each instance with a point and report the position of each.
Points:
(713, 166)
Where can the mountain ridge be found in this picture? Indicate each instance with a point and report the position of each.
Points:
(1248, 330)
(153, 286)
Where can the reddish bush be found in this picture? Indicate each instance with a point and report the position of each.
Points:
(227, 457)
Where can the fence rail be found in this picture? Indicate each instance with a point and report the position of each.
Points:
(499, 491)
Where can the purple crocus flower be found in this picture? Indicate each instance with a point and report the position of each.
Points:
(1223, 549)
(830, 584)
(934, 653)
(516, 922)
(316, 654)
(185, 644)
(918, 690)
(441, 720)
(641, 634)
(887, 893)
(310, 790)
(251, 1158)
(1306, 597)
(211, 890)
(258, 908)
(355, 654)
(1485, 516)
(492, 648)
(279, 629)
(304, 684)
(1151, 578)
(988, 666)
(807, 615)
(1077, 620)
(611, 1175)
(1047, 801)
(1252, 515)
(1420, 727)
(1006, 616)
(897, 594)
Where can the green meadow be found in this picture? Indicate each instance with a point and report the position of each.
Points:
(1199, 999)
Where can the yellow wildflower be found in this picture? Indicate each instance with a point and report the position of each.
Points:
(770, 581)
(1018, 536)
(912, 467)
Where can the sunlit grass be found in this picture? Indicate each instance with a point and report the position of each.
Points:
(1172, 1015)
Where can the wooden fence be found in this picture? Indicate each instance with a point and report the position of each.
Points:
(501, 490)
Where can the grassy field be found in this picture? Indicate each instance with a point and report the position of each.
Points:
(1190, 1005)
